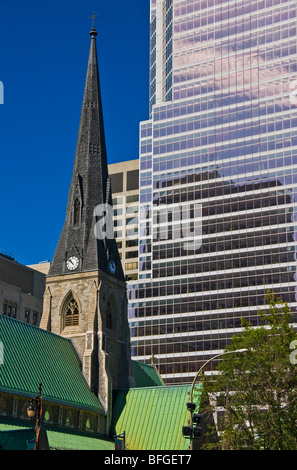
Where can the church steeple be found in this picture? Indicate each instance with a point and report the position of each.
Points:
(85, 297)
(80, 249)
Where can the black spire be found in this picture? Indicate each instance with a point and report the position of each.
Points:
(90, 187)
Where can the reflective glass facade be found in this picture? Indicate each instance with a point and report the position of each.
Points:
(222, 138)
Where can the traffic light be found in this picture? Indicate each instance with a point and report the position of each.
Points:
(196, 418)
(196, 431)
(191, 406)
(187, 431)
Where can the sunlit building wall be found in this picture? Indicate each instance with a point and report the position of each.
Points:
(221, 137)
(125, 190)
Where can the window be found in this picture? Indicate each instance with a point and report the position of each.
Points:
(134, 198)
(69, 420)
(117, 201)
(130, 243)
(117, 182)
(9, 311)
(132, 277)
(5, 305)
(48, 416)
(131, 254)
(132, 180)
(132, 210)
(109, 319)
(129, 266)
(71, 312)
(76, 212)
(27, 315)
(15, 310)
(111, 313)
(88, 425)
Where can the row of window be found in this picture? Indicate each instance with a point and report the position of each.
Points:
(120, 200)
(209, 302)
(243, 127)
(129, 243)
(218, 285)
(70, 419)
(182, 344)
(169, 295)
(244, 41)
(182, 230)
(191, 326)
(270, 142)
(204, 266)
(253, 241)
(204, 109)
(237, 24)
(129, 210)
(189, 6)
(178, 196)
(11, 310)
(131, 221)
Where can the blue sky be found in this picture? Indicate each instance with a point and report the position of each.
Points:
(44, 47)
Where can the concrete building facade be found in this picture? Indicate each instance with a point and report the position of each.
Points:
(21, 290)
(125, 190)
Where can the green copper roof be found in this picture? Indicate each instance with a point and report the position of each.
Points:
(14, 434)
(16, 439)
(146, 375)
(152, 418)
(32, 355)
(71, 440)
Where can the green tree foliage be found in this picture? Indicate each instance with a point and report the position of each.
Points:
(257, 390)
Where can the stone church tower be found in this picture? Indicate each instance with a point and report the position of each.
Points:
(85, 297)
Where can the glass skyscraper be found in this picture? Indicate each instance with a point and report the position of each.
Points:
(218, 177)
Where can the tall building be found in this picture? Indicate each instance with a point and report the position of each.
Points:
(85, 295)
(21, 289)
(218, 175)
(125, 191)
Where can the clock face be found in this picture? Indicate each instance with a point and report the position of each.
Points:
(72, 263)
(112, 266)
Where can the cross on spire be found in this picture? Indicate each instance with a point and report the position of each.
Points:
(93, 18)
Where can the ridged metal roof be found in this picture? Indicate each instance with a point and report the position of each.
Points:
(32, 355)
(145, 375)
(15, 434)
(153, 417)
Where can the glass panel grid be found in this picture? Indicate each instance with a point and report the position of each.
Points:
(225, 139)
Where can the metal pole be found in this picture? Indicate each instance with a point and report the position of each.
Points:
(199, 372)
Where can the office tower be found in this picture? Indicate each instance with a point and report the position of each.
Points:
(125, 201)
(218, 159)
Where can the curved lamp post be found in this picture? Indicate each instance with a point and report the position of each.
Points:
(35, 408)
(191, 406)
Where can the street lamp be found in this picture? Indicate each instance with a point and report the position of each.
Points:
(35, 409)
(190, 431)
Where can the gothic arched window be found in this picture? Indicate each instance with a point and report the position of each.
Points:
(71, 312)
(108, 322)
(111, 313)
(76, 211)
